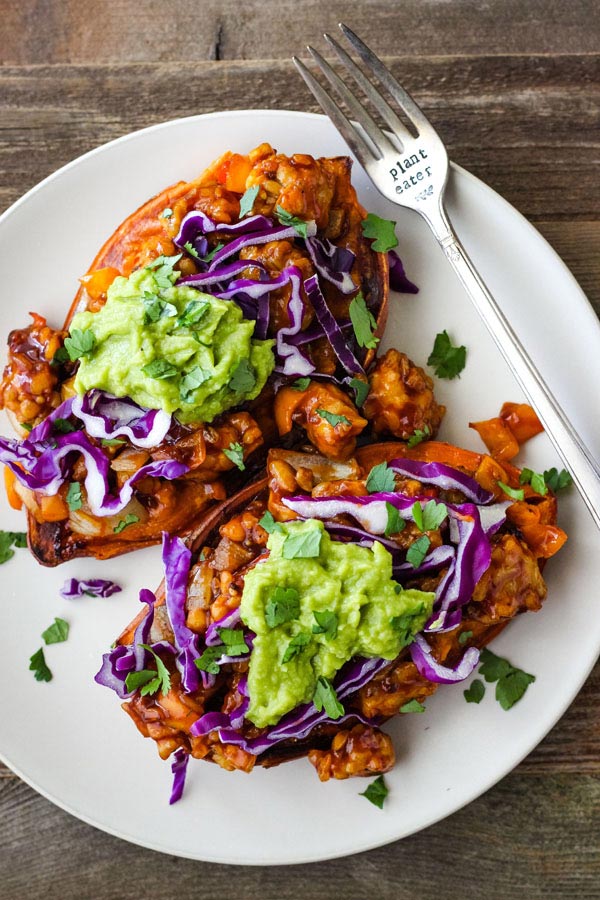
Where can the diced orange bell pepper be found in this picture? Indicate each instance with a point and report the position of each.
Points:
(522, 420)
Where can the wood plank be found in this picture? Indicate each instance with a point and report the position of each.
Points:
(529, 836)
(84, 31)
(527, 126)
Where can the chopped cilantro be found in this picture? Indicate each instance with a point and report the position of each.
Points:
(56, 633)
(166, 213)
(381, 231)
(395, 523)
(412, 706)
(61, 356)
(287, 218)
(212, 253)
(79, 343)
(283, 606)
(301, 384)
(363, 322)
(464, 636)
(160, 680)
(417, 551)
(376, 792)
(420, 434)
(189, 247)
(233, 638)
(207, 662)
(74, 498)
(381, 478)
(243, 377)
(325, 698)
(26, 426)
(130, 519)
(296, 646)
(194, 311)
(190, 382)
(113, 442)
(155, 308)
(332, 418)
(537, 481)
(63, 426)
(361, 390)
(235, 453)
(302, 544)
(475, 692)
(8, 539)
(447, 361)
(163, 270)
(430, 516)
(403, 624)
(268, 523)
(326, 622)
(247, 200)
(556, 480)
(511, 682)
(160, 369)
(37, 665)
(513, 493)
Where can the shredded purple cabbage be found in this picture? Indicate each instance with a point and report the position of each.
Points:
(176, 560)
(398, 280)
(107, 417)
(427, 666)
(331, 328)
(447, 478)
(179, 769)
(93, 587)
(333, 263)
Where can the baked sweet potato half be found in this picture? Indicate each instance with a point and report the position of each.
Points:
(281, 238)
(261, 649)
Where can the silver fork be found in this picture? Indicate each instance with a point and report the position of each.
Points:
(411, 170)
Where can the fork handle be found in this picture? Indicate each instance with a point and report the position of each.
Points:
(567, 442)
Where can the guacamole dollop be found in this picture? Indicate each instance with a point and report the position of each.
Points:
(341, 598)
(171, 347)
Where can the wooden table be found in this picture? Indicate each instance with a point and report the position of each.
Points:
(513, 86)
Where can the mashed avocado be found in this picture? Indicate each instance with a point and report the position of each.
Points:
(341, 599)
(171, 347)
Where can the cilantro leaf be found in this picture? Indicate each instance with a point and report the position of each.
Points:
(37, 665)
(537, 481)
(247, 200)
(325, 698)
(363, 322)
(61, 356)
(190, 382)
(556, 480)
(511, 681)
(302, 544)
(513, 493)
(326, 622)
(233, 638)
(296, 646)
(162, 269)
(27, 426)
(475, 692)
(404, 625)
(283, 606)
(208, 257)
(412, 706)
(268, 523)
(332, 418)
(113, 442)
(361, 390)
(376, 792)
(194, 311)
(135, 680)
(417, 551)
(235, 453)
(464, 637)
(155, 308)
(80, 343)
(447, 361)
(162, 679)
(63, 426)
(160, 369)
(130, 519)
(74, 498)
(189, 247)
(301, 384)
(207, 662)
(381, 479)
(395, 523)
(166, 213)
(8, 539)
(243, 377)
(287, 218)
(381, 231)
(430, 516)
(420, 434)
(56, 633)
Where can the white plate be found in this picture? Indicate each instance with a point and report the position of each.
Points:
(70, 740)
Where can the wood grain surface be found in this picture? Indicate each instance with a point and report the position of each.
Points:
(513, 86)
